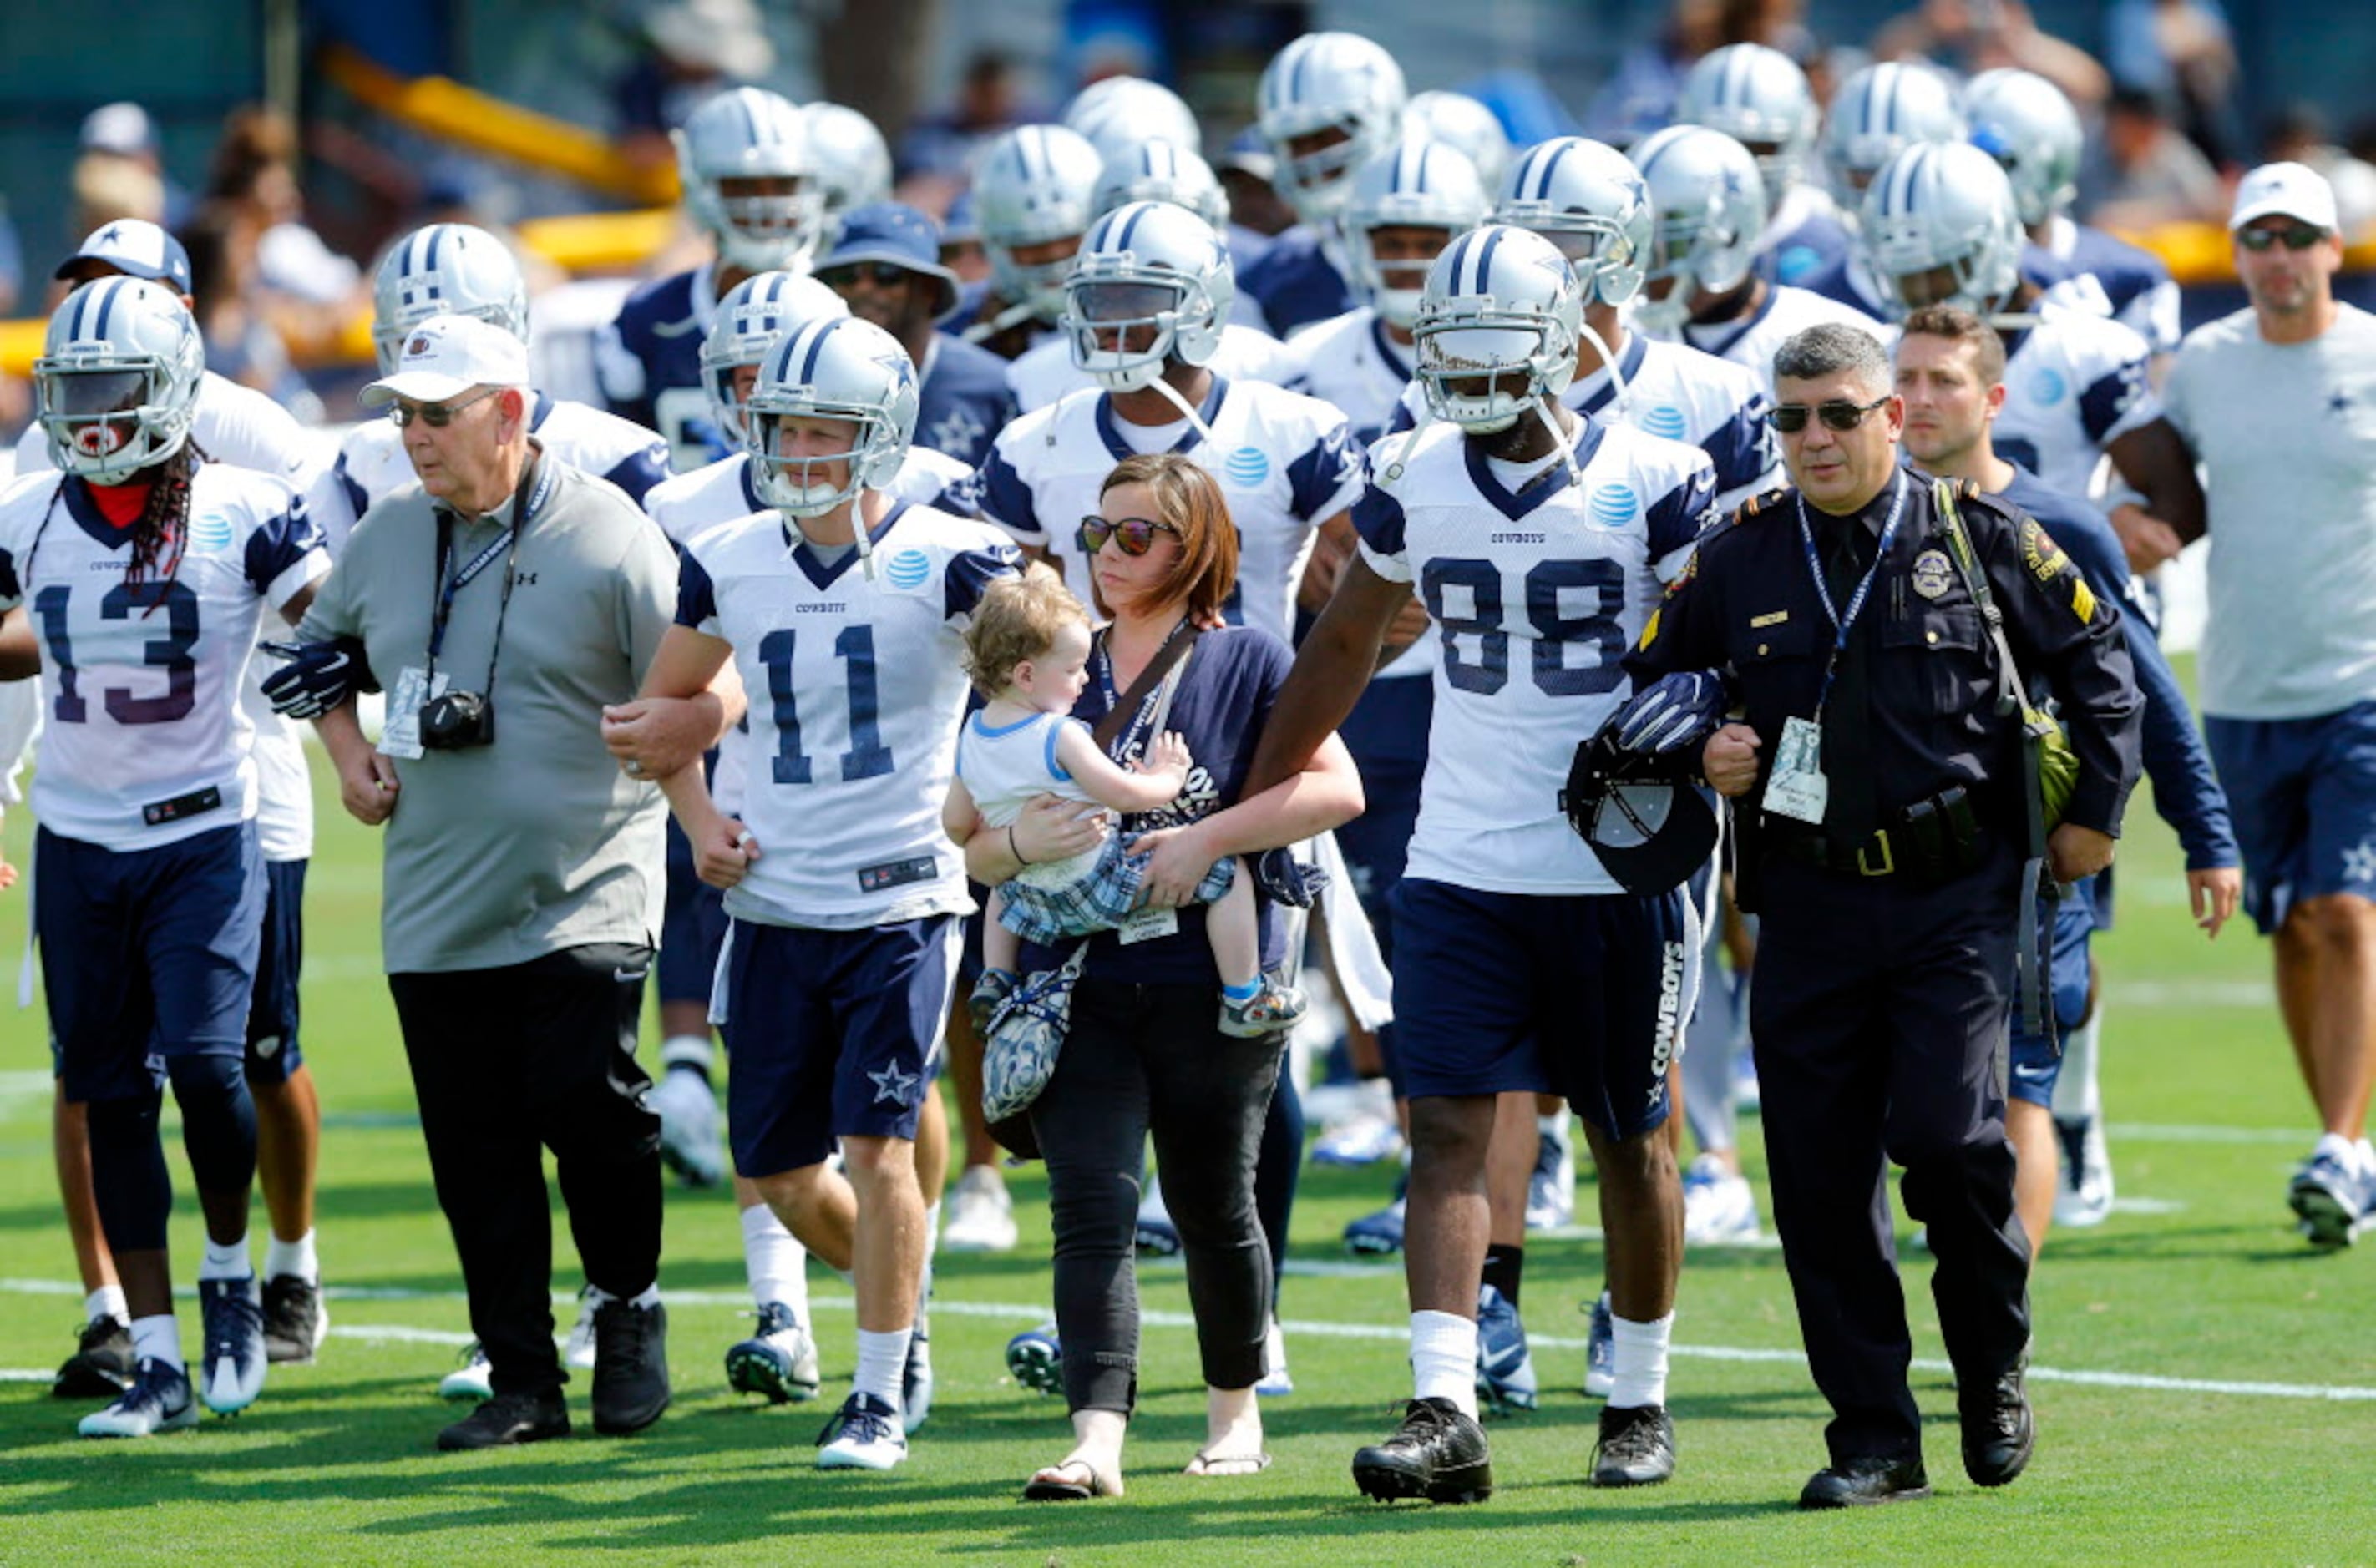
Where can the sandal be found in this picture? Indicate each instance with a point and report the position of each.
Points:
(1226, 1466)
(1267, 1011)
(1073, 1480)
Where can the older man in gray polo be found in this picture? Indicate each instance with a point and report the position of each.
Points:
(502, 601)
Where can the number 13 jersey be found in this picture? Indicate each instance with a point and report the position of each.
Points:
(856, 689)
(1534, 596)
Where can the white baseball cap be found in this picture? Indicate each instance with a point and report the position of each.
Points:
(446, 356)
(2286, 190)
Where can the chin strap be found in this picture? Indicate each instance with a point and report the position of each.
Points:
(1609, 361)
(1171, 394)
(1546, 410)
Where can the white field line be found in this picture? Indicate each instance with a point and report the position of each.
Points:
(1007, 1312)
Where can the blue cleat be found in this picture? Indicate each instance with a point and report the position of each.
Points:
(2334, 1202)
(780, 1361)
(159, 1400)
(1036, 1360)
(1601, 1350)
(1505, 1373)
(1379, 1234)
(232, 1369)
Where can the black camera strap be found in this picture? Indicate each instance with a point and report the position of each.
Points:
(526, 501)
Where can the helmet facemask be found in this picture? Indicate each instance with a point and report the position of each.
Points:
(803, 486)
(108, 418)
(1124, 331)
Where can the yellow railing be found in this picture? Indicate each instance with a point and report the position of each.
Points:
(2200, 252)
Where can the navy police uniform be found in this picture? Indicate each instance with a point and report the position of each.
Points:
(1881, 999)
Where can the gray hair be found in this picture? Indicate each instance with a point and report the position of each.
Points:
(1830, 349)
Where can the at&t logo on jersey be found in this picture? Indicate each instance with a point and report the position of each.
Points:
(2048, 387)
(1664, 420)
(1247, 467)
(907, 570)
(1613, 505)
(211, 534)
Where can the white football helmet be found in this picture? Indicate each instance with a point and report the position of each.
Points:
(753, 317)
(1117, 112)
(1941, 208)
(117, 381)
(1710, 202)
(1500, 302)
(1759, 98)
(1418, 182)
(1588, 199)
(752, 134)
(1157, 170)
(1328, 81)
(1880, 109)
(1468, 124)
(1036, 184)
(837, 369)
(2024, 122)
(854, 161)
(1150, 270)
(444, 270)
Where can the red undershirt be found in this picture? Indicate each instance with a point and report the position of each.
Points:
(122, 505)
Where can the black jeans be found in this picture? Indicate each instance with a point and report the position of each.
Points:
(1140, 1060)
(508, 1062)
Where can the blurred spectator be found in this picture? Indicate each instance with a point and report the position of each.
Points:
(943, 144)
(242, 344)
(2182, 53)
(692, 49)
(961, 250)
(107, 189)
(1966, 36)
(254, 175)
(2299, 135)
(1639, 97)
(12, 263)
(124, 131)
(2142, 171)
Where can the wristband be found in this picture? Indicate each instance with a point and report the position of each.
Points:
(1011, 847)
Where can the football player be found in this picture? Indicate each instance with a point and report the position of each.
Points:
(1327, 103)
(853, 163)
(845, 607)
(1759, 98)
(1537, 541)
(1032, 193)
(1878, 113)
(150, 887)
(755, 184)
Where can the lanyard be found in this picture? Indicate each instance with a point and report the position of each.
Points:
(1135, 730)
(525, 505)
(1842, 623)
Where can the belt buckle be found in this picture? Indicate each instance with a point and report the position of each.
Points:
(1888, 862)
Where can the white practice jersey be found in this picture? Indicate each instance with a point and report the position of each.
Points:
(1787, 311)
(723, 492)
(1349, 362)
(1046, 374)
(146, 741)
(857, 689)
(232, 424)
(2073, 382)
(373, 465)
(1536, 596)
(1286, 463)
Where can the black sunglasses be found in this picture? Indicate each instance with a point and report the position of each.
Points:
(1135, 535)
(882, 274)
(437, 416)
(1836, 413)
(2295, 237)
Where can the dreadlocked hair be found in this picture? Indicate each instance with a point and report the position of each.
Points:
(164, 525)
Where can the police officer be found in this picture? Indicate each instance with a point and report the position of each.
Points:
(1884, 832)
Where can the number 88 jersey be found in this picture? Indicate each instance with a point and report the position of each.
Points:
(141, 681)
(1535, 594)
(856, 690)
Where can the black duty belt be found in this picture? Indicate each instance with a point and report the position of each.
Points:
(1935, 839)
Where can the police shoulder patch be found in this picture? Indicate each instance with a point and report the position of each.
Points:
(1762, 503)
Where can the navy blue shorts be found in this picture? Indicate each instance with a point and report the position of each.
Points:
(693, 922)
(1581, 996)
(2037, 1061)
(2302, 793)
(1387, 733)
(273, 1050)
(146, 954)
(835, 1034)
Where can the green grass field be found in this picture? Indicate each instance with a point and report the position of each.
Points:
(2200, 1280)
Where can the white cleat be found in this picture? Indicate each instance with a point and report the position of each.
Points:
(232, 1369)
(689, 1127)
(579, 1352)
(474, 1379)
(159, 1400)
(981, 1213)
(1277, 1382)
(1719, 1206)
(2084, 1196)
(864, 1434)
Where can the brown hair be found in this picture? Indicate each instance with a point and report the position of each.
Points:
(1017, 619)
(1187, 498)
(1960, 325)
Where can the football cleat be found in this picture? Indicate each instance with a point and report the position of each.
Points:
(1438, 1454)
(1505, 1372)
(1362, 1139)
(2332, 1201)
(1379, 1234)
(232, 1312)
(1636, 1447)
(294, 1321)
(1550, 1191)
(1601, 1350)
(980, 1215)
(778, 1361)
(1277, 1382)
(1154, 1234)
(159, 1400)
(1717, 1206)
(510, 1420)
(2083, 1197)
(1035, 1358)
(103, 1365)
(472, 1380)
(864, 1434)
(916, 1377)
(579, 1351)
(689, 1140)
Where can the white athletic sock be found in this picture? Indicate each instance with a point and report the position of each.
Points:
(595, 1297)
(2338, 1148)
(1444, 1359)
(228, 1261)
(2367, 1158)
(932, 1246)
(107, 1302)
(687, 1051)
(157, 1339)
(648, 1298)
(2076, 1097)
(292, 1259)
(882, 1359)
(777, 1262)
(1641, 1373)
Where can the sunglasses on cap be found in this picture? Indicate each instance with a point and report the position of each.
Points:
(1135, 536)
(2293, 236)
(1836, 413)
(880, 274)
(437, 416)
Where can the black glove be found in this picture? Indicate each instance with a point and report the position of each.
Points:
(317, 676)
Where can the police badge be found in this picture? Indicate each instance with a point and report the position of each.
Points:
(1932, 574)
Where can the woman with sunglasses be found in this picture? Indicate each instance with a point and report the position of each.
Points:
(1144, 1053)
